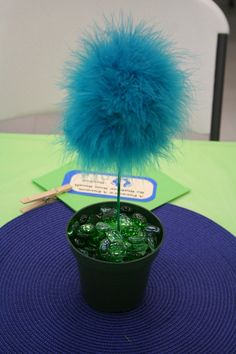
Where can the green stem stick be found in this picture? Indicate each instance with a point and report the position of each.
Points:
(118, 201)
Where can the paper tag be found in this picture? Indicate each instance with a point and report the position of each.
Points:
(105, 185)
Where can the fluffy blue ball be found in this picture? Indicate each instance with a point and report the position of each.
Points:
(127, 97)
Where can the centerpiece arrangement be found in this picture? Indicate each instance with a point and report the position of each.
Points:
(127, 98)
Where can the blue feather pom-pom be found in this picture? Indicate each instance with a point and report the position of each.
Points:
(127, 97)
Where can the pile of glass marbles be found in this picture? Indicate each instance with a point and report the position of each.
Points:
(96, 235)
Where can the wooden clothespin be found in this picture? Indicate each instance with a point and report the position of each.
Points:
(44, 198)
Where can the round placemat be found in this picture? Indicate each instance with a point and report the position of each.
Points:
(189, 306)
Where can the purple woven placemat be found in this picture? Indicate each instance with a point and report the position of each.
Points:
(189, 306)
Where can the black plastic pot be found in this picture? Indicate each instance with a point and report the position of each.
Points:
(114, 287)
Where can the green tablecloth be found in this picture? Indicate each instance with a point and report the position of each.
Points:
(208, 168)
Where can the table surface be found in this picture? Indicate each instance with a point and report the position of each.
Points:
(207, 168)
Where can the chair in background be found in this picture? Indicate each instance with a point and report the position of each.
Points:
(36, 38)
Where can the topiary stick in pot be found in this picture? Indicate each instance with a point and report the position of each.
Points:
(127, 98)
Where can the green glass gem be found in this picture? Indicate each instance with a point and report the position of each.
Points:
(139, 247)
(126, 209)
(138, 238)
(79, 242)
(113, 235)
(94, 219)
(104, 245)
(83, 219)
(152, 242)
(92, 251)
(87, 229)
(116, 252)
(130, 231)
(108, 213)
(139, 220)
(125, 221)
(70, 232)
(102, 227)
(152, 229)
(73, 228)
(112, 223)
(141, 253)
(94, 241)
(127, 245)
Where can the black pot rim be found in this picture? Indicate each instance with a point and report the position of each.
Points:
(113, 263)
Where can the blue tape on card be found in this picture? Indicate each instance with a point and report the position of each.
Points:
(104, 185)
